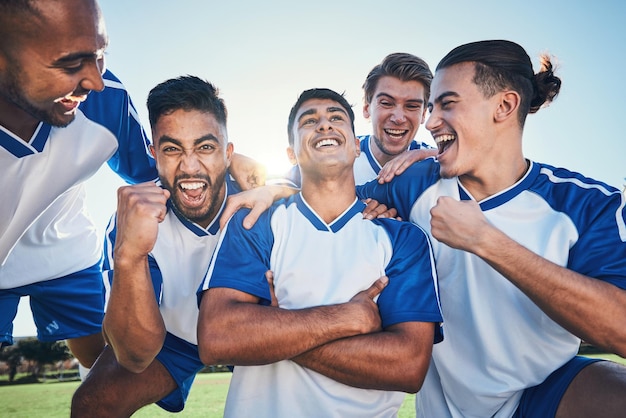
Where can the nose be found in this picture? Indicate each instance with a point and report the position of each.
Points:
(397, 115)
(189, 162)
(433, 121)
(324, 124)
(92, 79)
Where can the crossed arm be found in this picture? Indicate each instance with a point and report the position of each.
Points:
(234, 329)
(343, 342)
(395, 358)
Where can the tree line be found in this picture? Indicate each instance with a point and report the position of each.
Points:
(35, 353)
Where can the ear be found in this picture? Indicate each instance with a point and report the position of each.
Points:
(357, 144)
(152, 151)
(230, 148)
(366, 110)
(424, 115)
(292, 156)
(507, 106)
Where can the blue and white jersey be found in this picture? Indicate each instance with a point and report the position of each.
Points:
(498, 342)
(45, 230)
(366, 166)
(178, 263)
(315, 263)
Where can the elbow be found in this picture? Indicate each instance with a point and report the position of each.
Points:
(134, 361)
(413, 373)
(618, 348)
(134, 365)
(210, 355)
(210, 347)
(136, 357)
(206, 356)
(412, 383)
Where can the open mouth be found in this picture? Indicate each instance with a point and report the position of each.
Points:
(326, 143)
(70, 103)
(396, 133)
(444, 141)
(192, 191)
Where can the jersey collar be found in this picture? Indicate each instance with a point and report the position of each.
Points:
(506, 195)
(308, 212)
(19, 148)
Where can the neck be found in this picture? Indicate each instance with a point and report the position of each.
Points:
(381, 157)
(329, 198)
(501, 178)
(17, 120)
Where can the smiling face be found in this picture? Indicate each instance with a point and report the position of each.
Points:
(192, 154)
(397, 110)
(53, 62)
(324, 139)
(461, 121)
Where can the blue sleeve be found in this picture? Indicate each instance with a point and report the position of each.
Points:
(113, 109)
(419, 145)
(242, 257)
(600, 251)
(413, 292)
(108, 265)
(403, 190)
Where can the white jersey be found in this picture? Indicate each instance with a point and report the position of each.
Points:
(366, 166)
(45, 229)
(178, 262)
(315, 264)
(498, 342)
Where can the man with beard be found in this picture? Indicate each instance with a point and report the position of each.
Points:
(62, 116)
(158, 249)
(58, 126)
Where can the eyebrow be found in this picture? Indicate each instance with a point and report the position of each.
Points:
(330, 109)
(198, 141)
(383, 94)
(443, 96)
(76, 56)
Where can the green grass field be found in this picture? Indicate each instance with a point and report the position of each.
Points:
(52, 399)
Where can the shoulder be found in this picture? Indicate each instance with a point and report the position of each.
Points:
(401, 230)
(109, 105)
(564, 188)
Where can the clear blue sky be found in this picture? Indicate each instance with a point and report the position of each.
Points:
(263, 54)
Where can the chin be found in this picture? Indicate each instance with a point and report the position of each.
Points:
(60, 121)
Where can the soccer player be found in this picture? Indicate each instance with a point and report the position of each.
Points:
(158, 249)
(309, 346)
(396, 92)
(62, 116)
(531, 258)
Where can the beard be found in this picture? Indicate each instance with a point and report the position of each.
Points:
(208, 211)
(381, 146)
(12, 92)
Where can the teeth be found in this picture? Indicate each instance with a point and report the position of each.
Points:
(191, 186)
(324, 142)
(444, 138)
(395, 131)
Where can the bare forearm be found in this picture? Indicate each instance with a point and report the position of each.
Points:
(133, 324)
(383, 360)
(243, 333)
(591, 309)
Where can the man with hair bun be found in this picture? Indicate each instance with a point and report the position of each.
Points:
(531, 258)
